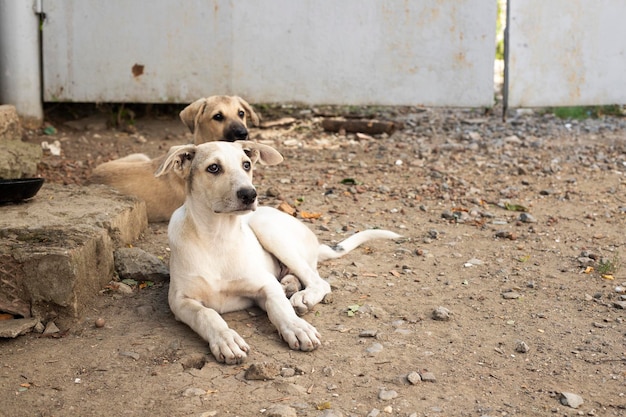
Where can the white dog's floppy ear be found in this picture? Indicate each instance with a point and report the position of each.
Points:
(178, 158)
(263, 153)
(254, 118)
(191, 114)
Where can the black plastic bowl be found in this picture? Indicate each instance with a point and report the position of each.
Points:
(13, 191)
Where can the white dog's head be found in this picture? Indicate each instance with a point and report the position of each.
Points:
(218, 175)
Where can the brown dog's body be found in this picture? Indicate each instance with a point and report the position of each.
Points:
(209, 119)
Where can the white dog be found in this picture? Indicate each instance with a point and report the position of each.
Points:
(227, 254)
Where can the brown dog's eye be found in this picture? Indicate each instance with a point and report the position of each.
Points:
(219, 117)
(213, 168)
(246, 165)
(242, 114)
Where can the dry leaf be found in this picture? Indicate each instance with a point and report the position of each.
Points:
(286, 208)
(310, 215)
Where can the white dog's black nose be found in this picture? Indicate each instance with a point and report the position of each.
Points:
(246, 195)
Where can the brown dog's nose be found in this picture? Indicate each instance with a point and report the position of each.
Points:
(246, 195)
(236, 132)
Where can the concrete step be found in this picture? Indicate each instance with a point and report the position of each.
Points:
(56, 250)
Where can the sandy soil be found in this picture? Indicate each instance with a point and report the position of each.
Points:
(534, 297)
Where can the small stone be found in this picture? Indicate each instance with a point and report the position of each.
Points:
(374, 413)
(287, 372)
(261, 371)
(571, 400)
(521, 347)
(193, 392)
(123, 288)
(527, 218)
(51, 328)
(441, 314)
(620, 304)
(387, 395)
(281, 410)
(511, 295)
(368, 333)
(414, 378)
(99, 322)
(473, 262)
(374, 349)
(428, 376)
(129, 354)
(193, 360)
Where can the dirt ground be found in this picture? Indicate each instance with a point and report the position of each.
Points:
(534, 297)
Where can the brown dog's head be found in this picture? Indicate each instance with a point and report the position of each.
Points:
(218, 118)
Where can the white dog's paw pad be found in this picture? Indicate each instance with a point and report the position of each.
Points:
(304, 300)
(229, 348)
(301, 335)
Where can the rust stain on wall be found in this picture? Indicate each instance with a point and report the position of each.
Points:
(137, 70)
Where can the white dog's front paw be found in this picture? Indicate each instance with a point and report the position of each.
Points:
(228, 347)
(300, 335)
(304, 300)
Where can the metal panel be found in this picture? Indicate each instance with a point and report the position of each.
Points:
(431, 52)
(566, 52)
(135, 51)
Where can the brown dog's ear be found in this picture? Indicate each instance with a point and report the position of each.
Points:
(265, 154)
(254, 118)
(179, 159)
(190, 115)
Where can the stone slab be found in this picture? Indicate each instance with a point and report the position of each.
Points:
(10, 127)
(19, 159)
(56, 250)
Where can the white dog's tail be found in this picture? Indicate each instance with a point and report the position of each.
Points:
(347, 245)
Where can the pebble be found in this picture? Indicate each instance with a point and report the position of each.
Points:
(373, 413)
(368, 333)
(571, 400)
(414, 378)
(331, 413)
(521, 347)
(511, 295)
(374, 349)
(387, 395)
(261, 371)
(620, 304)
(281, 410)
(193, 360)
(441, 314)
(99, 322)
(505, 234)
(139, 265)
(123, 288)
(473, 262)
(428, 376)
(527, 218)
(194, 392)
(129, 354)
(51, 328)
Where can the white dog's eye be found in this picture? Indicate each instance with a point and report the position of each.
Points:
(246, 165)
(213, 168)
(242, 114)
(219, 117)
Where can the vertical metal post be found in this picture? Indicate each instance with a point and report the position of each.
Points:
(505, 86)
(20, 59)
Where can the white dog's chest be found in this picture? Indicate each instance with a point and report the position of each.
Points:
(225, 272)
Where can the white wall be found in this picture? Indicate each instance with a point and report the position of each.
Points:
(430, 52)
(567, 52)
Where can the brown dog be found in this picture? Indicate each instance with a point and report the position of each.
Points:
(209, 119)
